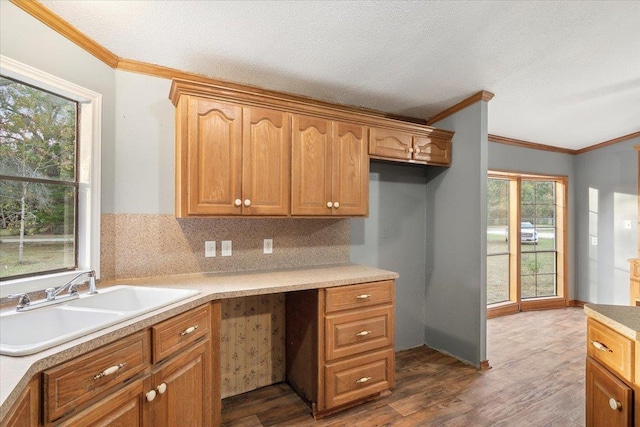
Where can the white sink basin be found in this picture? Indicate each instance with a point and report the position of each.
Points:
(29, 332)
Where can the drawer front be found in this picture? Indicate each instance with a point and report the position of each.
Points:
(350, 333)
(356, 296)
(71, 384)
(358, 377)
(613, 350)
(635, 269)
(171, 336)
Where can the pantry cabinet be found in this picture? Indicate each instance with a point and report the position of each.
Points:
(231, 159)
(330, 168)
(340, 345)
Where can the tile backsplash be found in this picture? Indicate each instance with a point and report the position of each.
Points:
(138, 245)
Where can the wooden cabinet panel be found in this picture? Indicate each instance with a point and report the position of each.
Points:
(432, 150)
(266, 162)
(179, 332)
(609, 400)
(177, 382)
(613, 350)
(214, 162)
(391, 144)
(350, 170)
(122, 408)
(311, 166)
(359, 296)
(358, 377)
(26, 411)
(358, 331)
(71, 384)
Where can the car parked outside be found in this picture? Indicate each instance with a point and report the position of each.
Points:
(528, 233)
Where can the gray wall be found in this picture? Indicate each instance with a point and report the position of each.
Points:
(393, 237)
(455, 319)
(606, 197)
(510, 158)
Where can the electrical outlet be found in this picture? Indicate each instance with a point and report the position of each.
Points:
(628, 225)
(268, 246)
(594, 241)
(226, 248)
(210, 248)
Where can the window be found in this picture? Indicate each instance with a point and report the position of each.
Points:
(526, 242)
(49, 178)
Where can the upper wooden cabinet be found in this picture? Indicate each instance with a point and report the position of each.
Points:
(431, 149)
(247, 151)
(231, 160)
(330, 168)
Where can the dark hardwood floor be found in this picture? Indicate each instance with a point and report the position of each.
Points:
(537, 379)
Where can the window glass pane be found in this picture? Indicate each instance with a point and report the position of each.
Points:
(497, 216)
(37, 227)
(497, 278)
(527, 193)
(546, 285)
(37, 133)
(544, 192)
(528, 287)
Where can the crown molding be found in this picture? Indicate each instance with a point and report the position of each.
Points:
(50, 19)
(483, 95)
(527, 144)
(609, 142)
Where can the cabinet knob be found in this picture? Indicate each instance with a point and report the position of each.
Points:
(417, 150)
(614, 404)
(363, 380)
(162, 388)
(247, 202)
(336, 205)
(238, 202)
(150, 395)
(329, 204)
(410, 150)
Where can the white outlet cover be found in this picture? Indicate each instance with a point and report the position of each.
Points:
(628, 225)
(594, 241)
(268, 246)
(210, 248)
(226, 248)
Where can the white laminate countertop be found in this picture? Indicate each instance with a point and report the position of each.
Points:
(16, 372)
(624, 319)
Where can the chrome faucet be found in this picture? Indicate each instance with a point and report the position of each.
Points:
(25, 303)
(71, 286)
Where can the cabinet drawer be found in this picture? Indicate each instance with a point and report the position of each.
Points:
(356, 296)
(358, 377)
(358, 331)
(71, 384)
(613, 350)
(180, 331)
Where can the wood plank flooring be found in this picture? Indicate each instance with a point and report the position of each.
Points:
(537, 379)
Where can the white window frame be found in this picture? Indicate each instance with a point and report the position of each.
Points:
(89, 142)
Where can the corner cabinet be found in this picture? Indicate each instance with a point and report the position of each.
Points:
(340, 345)
(247, 151)
(231, 159)
(330, 168)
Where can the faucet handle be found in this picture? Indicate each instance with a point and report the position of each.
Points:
(23, 300)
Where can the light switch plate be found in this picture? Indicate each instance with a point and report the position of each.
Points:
(628, 225)
(268, 246)
(210, 248)
(594, 241)
(226, 248)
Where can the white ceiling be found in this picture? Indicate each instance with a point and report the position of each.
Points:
(565, 74)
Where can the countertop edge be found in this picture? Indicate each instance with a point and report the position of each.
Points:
(23, 368)
(616, 317)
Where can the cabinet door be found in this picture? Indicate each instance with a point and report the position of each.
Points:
(26, 411)
(609, 400)
(432, 150)
(311, 166)
(265, 162)
(183, 390)
(122, 408)
(214, 169)
(350, 170)
(390, 144)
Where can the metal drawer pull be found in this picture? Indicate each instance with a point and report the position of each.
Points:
(614, 404)
(363, 296)
(189, 330)
(363, 380)
(363, 333)
(601, 346)
(109, 371)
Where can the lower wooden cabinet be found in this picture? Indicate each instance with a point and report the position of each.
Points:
(340, 344)
(609, 400)
(26, 411)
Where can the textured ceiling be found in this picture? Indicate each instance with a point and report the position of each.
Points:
(565, 74)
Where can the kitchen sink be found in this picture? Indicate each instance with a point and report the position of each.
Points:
(31, 331)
